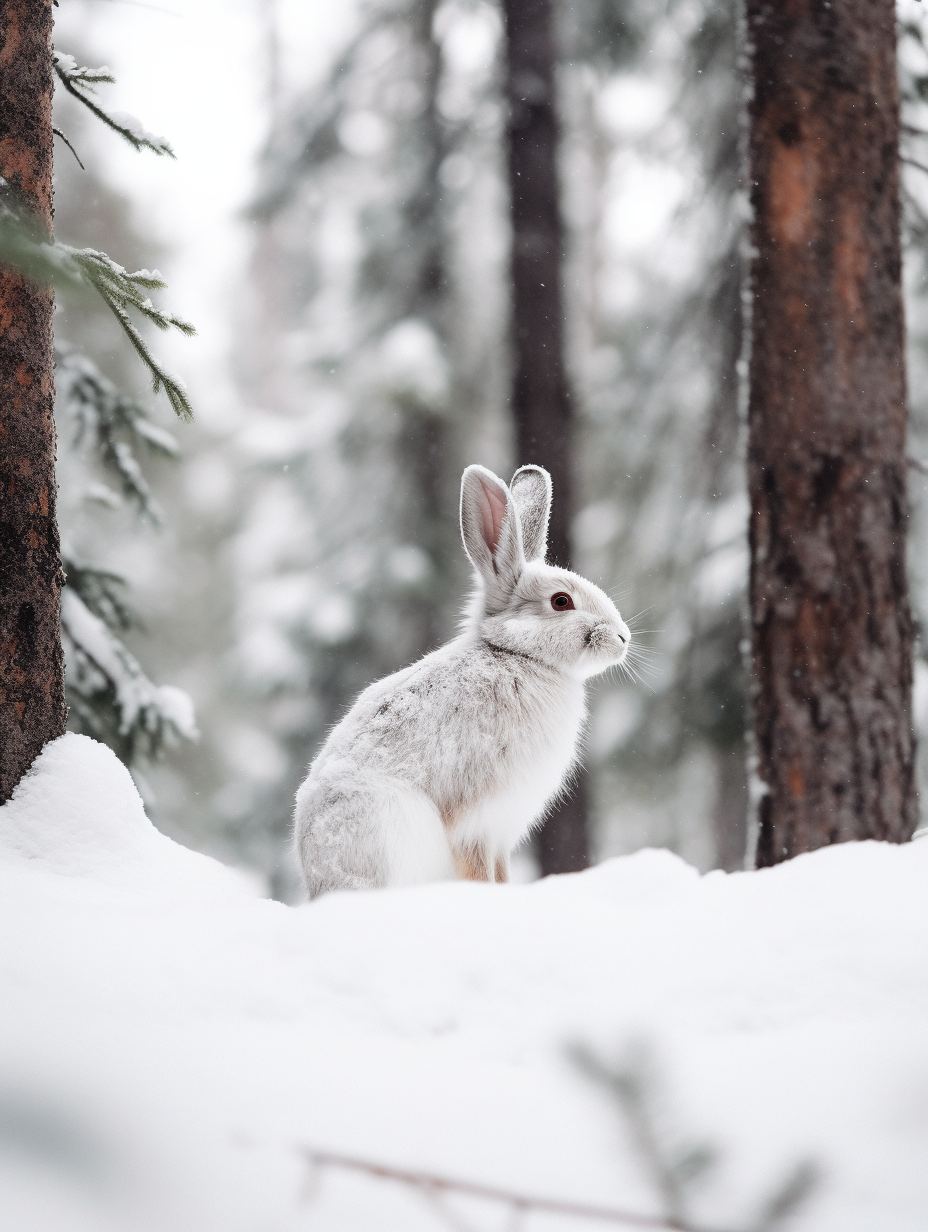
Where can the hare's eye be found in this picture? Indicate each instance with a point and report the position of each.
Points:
(562, 602)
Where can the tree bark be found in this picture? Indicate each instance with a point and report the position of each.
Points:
(32, 707)
(541, 398)
(830, 619)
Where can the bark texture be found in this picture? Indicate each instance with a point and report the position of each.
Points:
(831, 624)
(541, 398)
(32, 707)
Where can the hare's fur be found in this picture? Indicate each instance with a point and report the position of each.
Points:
(441, 769)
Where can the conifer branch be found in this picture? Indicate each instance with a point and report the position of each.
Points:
(913, 162)
(64, 137)
(121, 291)
(60, 265)
(110, 693)
(82, 82)
(116, 425)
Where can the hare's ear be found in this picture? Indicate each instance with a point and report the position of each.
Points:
(491, 534)
(531, 491)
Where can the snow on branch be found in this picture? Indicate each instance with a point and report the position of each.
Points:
(121, 291)
(115, 424)
(24, 249)
(82, 83)
(109, 692)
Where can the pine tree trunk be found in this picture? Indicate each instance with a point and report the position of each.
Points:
(426, 448)
(541, 401)
(32, 708)
(831, 625)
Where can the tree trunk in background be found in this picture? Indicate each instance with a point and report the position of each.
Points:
(426, 453)
(541, 401)
(32, 708)
(831, 625)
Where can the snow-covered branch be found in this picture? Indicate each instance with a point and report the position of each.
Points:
(120, 291)
(113, 697)
(116, 425)
(24, 249)
(82, 82)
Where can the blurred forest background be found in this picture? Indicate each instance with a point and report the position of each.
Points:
(337, 225)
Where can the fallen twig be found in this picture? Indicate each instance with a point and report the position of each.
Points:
(519, 1202)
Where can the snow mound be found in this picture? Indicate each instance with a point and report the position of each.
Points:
(78, 813)
(177, 1053)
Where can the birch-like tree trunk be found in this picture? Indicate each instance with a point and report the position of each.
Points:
(541, 397)
(830, 619)
(32, 707)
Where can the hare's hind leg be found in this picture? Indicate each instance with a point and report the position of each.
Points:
(363, 835)
(338, 842)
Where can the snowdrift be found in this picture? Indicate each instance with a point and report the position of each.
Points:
(176, 1052)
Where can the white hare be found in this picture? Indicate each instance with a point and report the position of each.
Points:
(441, 769)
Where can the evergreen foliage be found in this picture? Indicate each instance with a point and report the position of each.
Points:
(115, 426)
(121, 291)
(63, 265)
(111, 697)
(112, 434)
(82, 82)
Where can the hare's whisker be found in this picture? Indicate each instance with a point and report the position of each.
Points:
(637, 616)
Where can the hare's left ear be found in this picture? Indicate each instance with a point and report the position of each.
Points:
(531, 491)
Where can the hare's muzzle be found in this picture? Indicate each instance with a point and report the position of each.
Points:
(608, 638)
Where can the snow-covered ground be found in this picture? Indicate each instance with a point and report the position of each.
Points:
(176, 1052)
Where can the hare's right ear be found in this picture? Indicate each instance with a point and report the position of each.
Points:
(491, 533)
(531, 490)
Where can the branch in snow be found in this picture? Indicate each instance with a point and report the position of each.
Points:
(675, 1174)
(432, 1184)
(676, 1170)
(82, 83)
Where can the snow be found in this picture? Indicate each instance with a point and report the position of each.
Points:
(177, 708)
(100, 659)
(137, 131)
(174, 1049)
